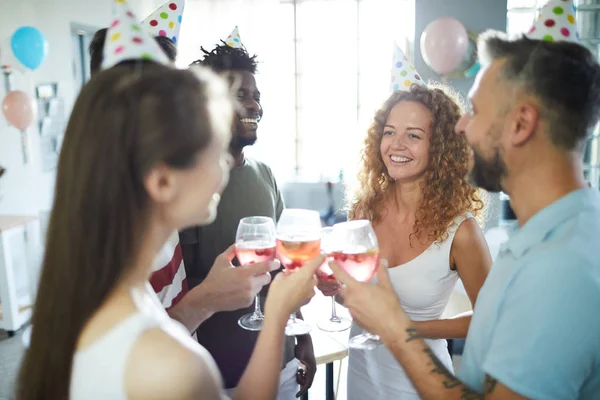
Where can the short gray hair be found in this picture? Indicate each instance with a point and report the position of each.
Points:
(563, 76)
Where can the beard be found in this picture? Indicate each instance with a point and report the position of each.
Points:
(240, 138)
(487, 174)
(238, 142)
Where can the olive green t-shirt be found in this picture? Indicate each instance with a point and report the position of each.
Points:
(252, 191)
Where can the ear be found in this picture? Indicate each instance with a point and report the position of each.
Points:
(524, 123)
(161, 184)
(234, 79)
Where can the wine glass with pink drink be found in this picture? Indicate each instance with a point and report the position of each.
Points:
(357, 252)
(298, 241)
(334, 323)
(254, 242)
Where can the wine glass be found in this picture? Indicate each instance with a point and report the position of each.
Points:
(357, 252)
(298, 241)
(254, 242)
(325, 275)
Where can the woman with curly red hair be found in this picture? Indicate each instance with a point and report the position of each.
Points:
(413, 188)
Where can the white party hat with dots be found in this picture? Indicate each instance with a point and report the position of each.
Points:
(556, 22)
(166, 20)
(404, 73)
(127, 39)
(233, 40)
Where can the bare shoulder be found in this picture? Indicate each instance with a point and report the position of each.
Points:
(166, 365)
(469, 250)
(469, 234)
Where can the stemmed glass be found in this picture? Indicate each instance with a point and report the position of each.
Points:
(298, 241)
(357, 252)
(325, 275)
(254, 242)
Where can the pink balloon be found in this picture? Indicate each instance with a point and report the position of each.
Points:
(444, 44)
(17, 107)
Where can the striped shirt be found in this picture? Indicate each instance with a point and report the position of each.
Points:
(169, 278)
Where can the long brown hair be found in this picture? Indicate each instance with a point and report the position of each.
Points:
(126, 120)
(446, 192)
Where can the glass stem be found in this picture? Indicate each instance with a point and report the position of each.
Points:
(334, 317)
(369, 335)
(257, 311)
(292, 319)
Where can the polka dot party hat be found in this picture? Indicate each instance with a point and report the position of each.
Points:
(556, 22)
(166, 20)
(127, 39)
(404, 73)
(233, 40)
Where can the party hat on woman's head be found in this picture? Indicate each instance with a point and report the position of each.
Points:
(556, 22)
(404, 73)
(127, 39)
(166, 20)
(233, 40)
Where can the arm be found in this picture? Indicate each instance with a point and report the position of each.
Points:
(265, 363)
(194, 309)
(532, 351)
(225, 288)
(471, 258)
(376, 308)
(430, 376)
(287, 293)
(453, 328)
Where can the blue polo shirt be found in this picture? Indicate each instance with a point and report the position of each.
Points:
(536, 323)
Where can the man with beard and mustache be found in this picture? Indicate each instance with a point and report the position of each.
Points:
(534, 104)
(252, 191)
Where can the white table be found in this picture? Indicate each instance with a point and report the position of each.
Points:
(19, 247)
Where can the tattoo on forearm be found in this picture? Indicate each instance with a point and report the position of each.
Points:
(490, 384)
(412, 334)
(468, 394)
(450, 381)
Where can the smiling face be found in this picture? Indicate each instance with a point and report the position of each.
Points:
(249, 113)
(406, 139)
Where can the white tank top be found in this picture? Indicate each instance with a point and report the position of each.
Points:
(424, 286)
(98, 371)
(425, 283)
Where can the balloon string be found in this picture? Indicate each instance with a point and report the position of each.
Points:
(24, 146)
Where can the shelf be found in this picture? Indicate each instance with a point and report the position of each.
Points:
(23, 309)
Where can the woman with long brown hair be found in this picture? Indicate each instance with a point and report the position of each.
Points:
(145, 152)
(413, 188)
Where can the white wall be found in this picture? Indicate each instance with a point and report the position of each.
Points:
(27, 189)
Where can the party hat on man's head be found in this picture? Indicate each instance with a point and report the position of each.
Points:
(556, 22)
(127, 39)
(233, 40)
(166, 20)
(404, 73)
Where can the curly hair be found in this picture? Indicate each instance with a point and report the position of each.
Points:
(446, 192)
(225, 58)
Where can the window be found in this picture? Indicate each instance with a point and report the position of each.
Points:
(521, 14)
(81, 35)
(334, 66)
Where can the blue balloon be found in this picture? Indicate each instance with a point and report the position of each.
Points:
(30, 46)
